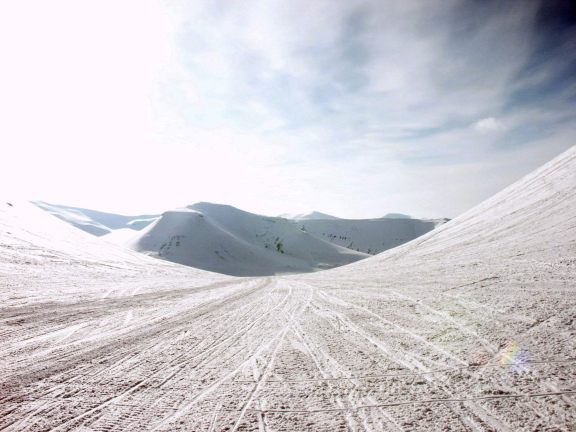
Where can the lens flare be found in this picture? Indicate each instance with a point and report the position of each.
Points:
(514, 358)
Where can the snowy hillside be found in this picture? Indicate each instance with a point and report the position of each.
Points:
(227, 240)
(225, 245)
(370, 236)
(239, 254)
(533, 217)
(96, 222)
(62, 258)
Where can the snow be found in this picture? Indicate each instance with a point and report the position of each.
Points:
(227, 240)
(240, 243)
(470, 327)
(396, 216)
(306, 216)
(96, 222)
(370, 236)
(75, 218)
(120, 236)
(36, 248)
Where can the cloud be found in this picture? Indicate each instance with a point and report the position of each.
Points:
(356, 69)
(329, 102)
(488, 125)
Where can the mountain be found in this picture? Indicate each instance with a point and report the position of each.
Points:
(225, 245)
(469, 327)
(236, 242)
(227, 240)
(96, 222)
(396, 216)
(306, 216)
(535, 218)
(33, 238)
(370, 236)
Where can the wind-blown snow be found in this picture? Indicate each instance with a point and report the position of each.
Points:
(471, 327)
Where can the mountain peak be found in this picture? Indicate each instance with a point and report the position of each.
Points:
(308, 216)
(396, 216)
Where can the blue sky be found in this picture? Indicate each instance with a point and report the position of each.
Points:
(355, 108)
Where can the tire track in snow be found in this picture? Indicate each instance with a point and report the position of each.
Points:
(317, 351)
(183, 410)
(412, 363)
(261, 380)
(425, 401)
(154, 336)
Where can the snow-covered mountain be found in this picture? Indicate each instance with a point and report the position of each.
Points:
(224, 239)
(397, 216)
(227, 240)
(370, 236)
(306, 216)
(29, 236)
(529, 223)
(96, 222)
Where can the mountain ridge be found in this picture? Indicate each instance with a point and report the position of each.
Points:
(228, 240)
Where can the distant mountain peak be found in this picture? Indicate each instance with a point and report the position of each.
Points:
(308, 216)
(213, 208)
(93, 221)
(207, 204)
(396, 216)
(228, 240)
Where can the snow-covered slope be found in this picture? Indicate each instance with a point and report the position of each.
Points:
(43, 248)
(370, 236)
(534, 216)
(26, 230)
(96, 222)
(227, 240)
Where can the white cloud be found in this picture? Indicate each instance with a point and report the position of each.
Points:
(488, 125)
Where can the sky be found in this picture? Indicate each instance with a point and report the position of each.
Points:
(353, 108)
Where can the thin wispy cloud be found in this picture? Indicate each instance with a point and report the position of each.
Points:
(352, 107)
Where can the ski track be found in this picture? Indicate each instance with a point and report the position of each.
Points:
(272, 354)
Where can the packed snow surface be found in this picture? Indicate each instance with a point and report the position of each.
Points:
(471, 327)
